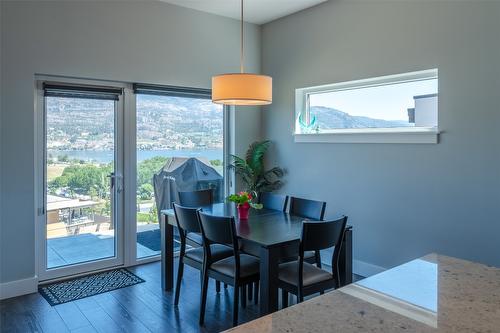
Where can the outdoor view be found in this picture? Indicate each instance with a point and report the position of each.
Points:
(405, 104)
(170, 130)
(80, 157)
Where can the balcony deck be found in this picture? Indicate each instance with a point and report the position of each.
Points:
(72, 249)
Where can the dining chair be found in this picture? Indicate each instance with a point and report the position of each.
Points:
(303, 279)
(273, 201)
(196, 199)
(239, 270)
(310, 209)
(187, 221)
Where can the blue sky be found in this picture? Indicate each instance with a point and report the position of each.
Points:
(383, 102)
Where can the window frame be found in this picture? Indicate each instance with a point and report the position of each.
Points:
(427, 135)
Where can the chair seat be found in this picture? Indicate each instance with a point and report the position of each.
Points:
(249, 265)
(311, 275)
(218, 251)
(195, 238)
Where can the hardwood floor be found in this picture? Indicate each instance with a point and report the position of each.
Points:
(139, 308)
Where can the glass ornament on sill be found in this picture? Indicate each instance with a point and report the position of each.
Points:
(308, 123)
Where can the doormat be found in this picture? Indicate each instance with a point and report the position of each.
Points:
(86, 286)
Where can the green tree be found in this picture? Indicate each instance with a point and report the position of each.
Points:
(146, 191)
(147, 168)
(84, 179)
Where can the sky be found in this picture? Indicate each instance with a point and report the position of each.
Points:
(388, 102)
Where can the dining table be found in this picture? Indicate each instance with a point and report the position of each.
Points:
(275, 233)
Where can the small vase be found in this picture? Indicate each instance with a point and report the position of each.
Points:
(243, 210)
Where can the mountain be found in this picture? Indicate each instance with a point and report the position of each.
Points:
(163, 123)
(330, 118)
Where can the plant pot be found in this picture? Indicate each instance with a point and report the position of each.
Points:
(243, 211)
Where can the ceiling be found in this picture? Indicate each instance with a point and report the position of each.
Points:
(256, 11)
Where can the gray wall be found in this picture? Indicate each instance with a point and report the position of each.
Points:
(404, 200)
(150, 42)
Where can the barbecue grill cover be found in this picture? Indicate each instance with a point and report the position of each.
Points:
(185, 174)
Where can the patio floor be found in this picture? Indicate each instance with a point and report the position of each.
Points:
(62, 251)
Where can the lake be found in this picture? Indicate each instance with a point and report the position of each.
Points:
(107, 155)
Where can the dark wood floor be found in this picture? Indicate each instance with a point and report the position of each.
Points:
(139, 308)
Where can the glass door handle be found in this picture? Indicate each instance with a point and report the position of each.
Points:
(116, 181)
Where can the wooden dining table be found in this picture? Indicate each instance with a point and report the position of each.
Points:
(273, 232)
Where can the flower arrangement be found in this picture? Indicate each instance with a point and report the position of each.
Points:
(244, 201)
(243, 198)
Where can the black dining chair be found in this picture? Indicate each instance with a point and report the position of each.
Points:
(196, 199)
(303, 279)
(273, 201)
(187, 221)
(309, 209)
(239, 270)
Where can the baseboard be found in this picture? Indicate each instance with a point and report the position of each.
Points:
(18, 287)
(366, 269)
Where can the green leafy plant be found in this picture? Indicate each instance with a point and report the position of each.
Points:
(252, 172)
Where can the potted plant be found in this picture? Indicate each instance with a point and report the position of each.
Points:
(252, 172)
(243, 202)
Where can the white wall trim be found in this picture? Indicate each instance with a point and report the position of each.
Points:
(366, 269)
(410, 135)
(18, 287)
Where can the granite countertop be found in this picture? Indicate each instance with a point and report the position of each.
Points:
(434, 293)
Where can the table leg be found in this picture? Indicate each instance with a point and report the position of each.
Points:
(167, 254)
(345, 260)
(269, 265)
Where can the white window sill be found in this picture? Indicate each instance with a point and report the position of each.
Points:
(372, 135)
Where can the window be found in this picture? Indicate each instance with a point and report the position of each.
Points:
(180, 147)
(390, 109)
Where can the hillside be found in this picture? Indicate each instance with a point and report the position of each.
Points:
(329, 118)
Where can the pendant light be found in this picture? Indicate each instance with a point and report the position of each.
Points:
(242, 88)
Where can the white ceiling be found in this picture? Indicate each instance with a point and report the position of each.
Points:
(256, 11)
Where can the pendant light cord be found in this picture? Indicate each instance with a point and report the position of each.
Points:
(242, 57)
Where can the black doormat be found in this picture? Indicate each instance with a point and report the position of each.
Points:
(86, 286)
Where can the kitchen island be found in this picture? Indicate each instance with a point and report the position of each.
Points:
(434, 293)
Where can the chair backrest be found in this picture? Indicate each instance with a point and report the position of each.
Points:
(323, 235)
(310, 209)
(273, 201)
(187, 218)
(218, 229)
(196, 198)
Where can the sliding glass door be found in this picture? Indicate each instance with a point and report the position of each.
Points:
(82, 180)
(110, 158)
(180, 147)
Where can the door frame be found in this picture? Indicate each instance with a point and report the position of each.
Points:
(43, 273)
(126, 232)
